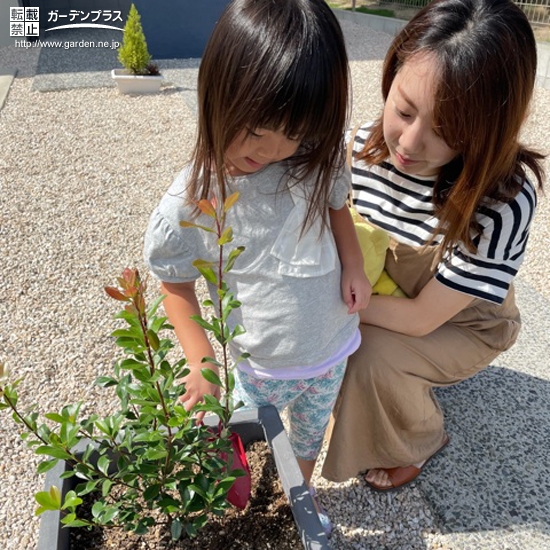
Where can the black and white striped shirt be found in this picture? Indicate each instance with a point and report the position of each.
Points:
(402, 205)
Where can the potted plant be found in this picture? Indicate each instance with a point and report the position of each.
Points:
(263, 424)
(150, 455)
(139, 75)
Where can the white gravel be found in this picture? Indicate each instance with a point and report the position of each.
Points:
(80, 172)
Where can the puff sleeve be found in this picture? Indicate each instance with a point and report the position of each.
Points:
(166, 253)
(341, 188)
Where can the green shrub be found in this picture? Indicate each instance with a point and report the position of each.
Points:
(374, 11)
(133, 53)
(148, 463)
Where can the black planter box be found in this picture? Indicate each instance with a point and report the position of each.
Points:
(252, 425)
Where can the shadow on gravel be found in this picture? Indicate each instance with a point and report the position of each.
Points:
(83, 58)
(78, 50)
(495, 474)
(493, 480)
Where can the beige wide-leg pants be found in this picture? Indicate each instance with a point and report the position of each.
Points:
(386, 414)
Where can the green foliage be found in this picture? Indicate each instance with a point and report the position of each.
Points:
(149, 456)
(374, 11)
(133, 53)
(370, 11)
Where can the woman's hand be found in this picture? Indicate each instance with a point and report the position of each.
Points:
(433, 307)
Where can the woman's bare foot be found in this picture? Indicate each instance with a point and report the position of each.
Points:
(380, 478)
(387, 479)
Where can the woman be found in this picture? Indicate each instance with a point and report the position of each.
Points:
(443, 172)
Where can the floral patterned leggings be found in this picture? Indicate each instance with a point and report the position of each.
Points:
(309, 404)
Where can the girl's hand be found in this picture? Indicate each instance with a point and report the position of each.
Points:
(196, 387)
(356, 288)
(180, 305)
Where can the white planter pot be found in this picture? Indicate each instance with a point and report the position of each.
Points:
(136, 84)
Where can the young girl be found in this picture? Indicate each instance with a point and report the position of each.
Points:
(273, 85)
(443, 172)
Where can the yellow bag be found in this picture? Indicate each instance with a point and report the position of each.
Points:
(374, 243)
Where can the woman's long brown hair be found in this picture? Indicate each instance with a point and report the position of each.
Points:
(487, 58)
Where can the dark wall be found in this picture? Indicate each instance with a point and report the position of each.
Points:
(178, 28)
(173, 28)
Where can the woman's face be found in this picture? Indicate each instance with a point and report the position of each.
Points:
(415, 146)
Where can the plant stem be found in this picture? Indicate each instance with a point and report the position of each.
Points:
(73, 458)
(22, 418)
(142, 316)
(226, 404)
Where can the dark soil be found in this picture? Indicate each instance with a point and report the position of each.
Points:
(267, 521)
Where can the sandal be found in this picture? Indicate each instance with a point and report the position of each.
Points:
(323, 517)
(403, 475)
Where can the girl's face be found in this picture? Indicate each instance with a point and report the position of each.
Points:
(415, 146)
(255, 148)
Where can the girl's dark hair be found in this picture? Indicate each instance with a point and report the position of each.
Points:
(487, 58)
(279, 65)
